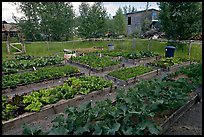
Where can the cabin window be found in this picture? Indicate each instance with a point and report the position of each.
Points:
(129, 20)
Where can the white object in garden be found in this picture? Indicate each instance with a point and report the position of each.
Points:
(34, 68)
(68, 56)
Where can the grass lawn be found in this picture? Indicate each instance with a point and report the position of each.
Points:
(42, 48)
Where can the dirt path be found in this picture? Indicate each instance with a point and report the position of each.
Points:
(190, 123)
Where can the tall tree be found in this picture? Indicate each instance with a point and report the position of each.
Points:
(98, 18)
(56, 20)
(84, 24)
(120, 22)
(29, 23)
(93, 19)
(110, 24)
(180, 20)
(51, 19)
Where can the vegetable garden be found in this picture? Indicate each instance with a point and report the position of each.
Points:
(134, 112)
(135, 109)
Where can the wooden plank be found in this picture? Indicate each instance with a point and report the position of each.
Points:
(15, 48)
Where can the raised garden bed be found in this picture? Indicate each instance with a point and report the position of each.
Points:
(53, 109)
(47, 83)
(177, 114)
(131, 57)
(142, 60)
(23, 63)
(32, 69)
(95, 63)
(168, 64)
(127, 76)
(18, 105)
(14, 80)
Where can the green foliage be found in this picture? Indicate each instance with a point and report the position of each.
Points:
(120, 22)
(11, 107)
(141, 54)
(131, 113)
(27, 62)
(92, 19)
(95, 61)
(128, 54)
(44, 73)
(46, 20)
(193, 71)
(7, 108)
(168, 62)
(180, 20)
(127, 73)
(31, 131)
(34, 101)
(23, 57)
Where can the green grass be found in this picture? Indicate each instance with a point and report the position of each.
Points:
(42, 49)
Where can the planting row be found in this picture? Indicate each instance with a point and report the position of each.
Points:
(135, 112)
(127, 73)
(37, 99)
(166, 62)
(95, 61)
(129, 55)
(27, 62)
(13, 80)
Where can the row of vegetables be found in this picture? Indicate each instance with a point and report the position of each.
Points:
(92, 60)
(13, 80)
(37, 99)
(166, 62)
(24, 62)
(134, 112)
(128, 55)
(127, 73)
(95, 61)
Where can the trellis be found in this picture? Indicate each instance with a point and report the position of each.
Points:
(13, 45)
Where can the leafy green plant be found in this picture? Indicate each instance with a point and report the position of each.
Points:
(34, 101)
(44, 73)
(129, 55)
(132, 113)
(28, 62)
(95, 61)
(31, 131)
(167, 62)
(127, 73)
